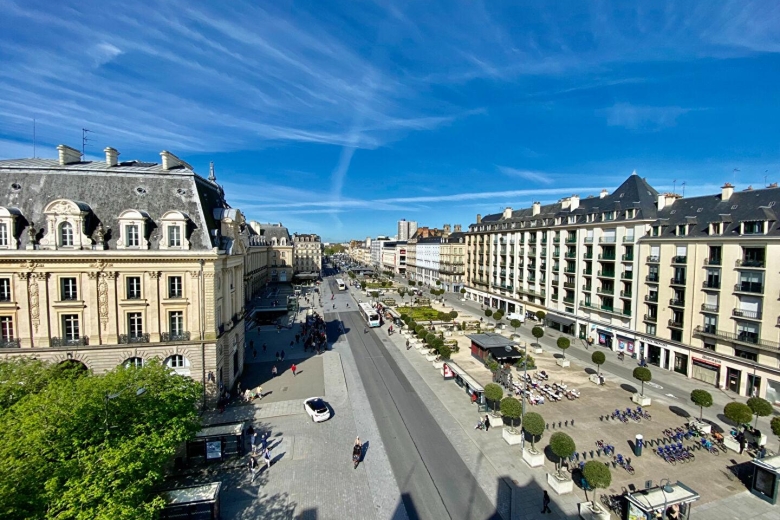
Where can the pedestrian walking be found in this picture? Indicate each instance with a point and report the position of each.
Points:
(487, 423)
(273, 371)
(252, 467)
(292, 344)
(264, 441)
(253, 441)
(238, 388)
(277, 356)
(267, 458)
(264, 347)
(282, 356)
(546, 503)
(293, 368)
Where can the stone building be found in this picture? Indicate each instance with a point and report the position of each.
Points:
(110, 263)
(280, 250)
(307, 254)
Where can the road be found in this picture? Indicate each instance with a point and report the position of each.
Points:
(433, 480)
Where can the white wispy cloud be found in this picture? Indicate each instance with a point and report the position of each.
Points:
(637, 117)
(529, 175)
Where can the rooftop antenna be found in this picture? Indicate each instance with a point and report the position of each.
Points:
(34, 143)
(765, 176)
(735, 175)
(683, 187)
(674, 189)
(84, 141)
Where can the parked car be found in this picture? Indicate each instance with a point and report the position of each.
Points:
(317, 409)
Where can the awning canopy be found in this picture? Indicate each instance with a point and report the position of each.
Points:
(560, 319)
(656, 499)
(466, 378)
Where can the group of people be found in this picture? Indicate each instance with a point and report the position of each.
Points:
(259, 447)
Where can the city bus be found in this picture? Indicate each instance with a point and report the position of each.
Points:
(370, 314)
(341, 284)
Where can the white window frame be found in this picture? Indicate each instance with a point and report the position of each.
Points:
(176, 323)
(179, 221)
(129, 282)
(65, 232)
(175, 280)
(132, 226)
(135, 324)
(71, 327)
(69, 288)
(5, 290)
(6, 328)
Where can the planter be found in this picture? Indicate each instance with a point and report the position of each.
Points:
(561, 362)
(534, 459)
(702, 427)
(561, 486)
(538, 350)
(438, 364)
(641, 400)
(512, 438)
(731, 443)
(596, 380)
(495, 420)
(591, 511)
(430, 357)
(418, 346)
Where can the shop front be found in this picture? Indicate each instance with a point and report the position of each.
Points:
(733, 379)
(561, 323)
(706, 370)
(605, 337)
(625, 344)
(475, 391)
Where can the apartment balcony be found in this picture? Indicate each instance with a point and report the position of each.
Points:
(72, 342)
(713, 261)
(613, 310)
(571, 239)
(180, 336)
(10, 343)
(532, 251)
(544, 241)
(679, 259)
(589, 305)
(627, 258)
(556, 240)
(554, 297)
(587, 288)
(588, 272)
(569, 300)
(588, 240)
(650, 318)
(750, 264)
(607, 240)
(544, 251)
(588, 256)
(605, 290)
(503, 251)
(626, 294)
(628, 240)
(610, 257)
(627, 275)
(677, 281)
(711, 284)
(677, 324)
(749, 287)
(606, 274)
(653, 298)
(744, 337)
(652, 278)
(709, 308)
(748, 315)
(674, 302)
(521, 252)
(556, 254)
(653, 259)
(568, 285)
(532, 241)
(570, 270)
(571, 254)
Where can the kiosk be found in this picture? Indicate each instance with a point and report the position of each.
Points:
(648, 503)
(215, 442)
(451, 370)
(766, 475)
(192, 503)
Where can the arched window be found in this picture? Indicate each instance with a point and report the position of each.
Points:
(133, 362)
(175, 361)
(66, 234)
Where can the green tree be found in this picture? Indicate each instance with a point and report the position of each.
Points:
(760, 408)
(515, 324)
(405, 318)
(511, 409)
(363, 285)
(488, 313)
(537, 332)
(598, 359)
(445, 352)
(402, 293)
(540, 315)
(420, 331)
(463, 291)
(597, 475)
(94, 447)
(429, 338)
(533, 424)
(738, 413)
(643, 375)
(498, 315)
(562, 446)
(493, 393)
(438, 282)
(453, 315)
(563, 343)
(419, 284)
(702, 399)
(775, 425)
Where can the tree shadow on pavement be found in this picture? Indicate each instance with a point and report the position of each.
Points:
(676, 410)
(628, 388)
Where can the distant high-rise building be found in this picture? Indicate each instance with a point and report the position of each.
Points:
(406, 229)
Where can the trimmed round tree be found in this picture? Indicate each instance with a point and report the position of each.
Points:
(493, 393)
(597, 475)
(562, 446)
(420, 331)
(445, 352)
(463, 291)
(537, 332)
(498, 315)
(563, 343)
(702, 399)
(488, 313)
(533, 424)
(515, 324)
(429, 338)
(775, 424)
(412, 324)
(760, 408)
(511, 409)
(540, 315)
(643, 375)
(738, 413)
(453, 315)
(598, 359)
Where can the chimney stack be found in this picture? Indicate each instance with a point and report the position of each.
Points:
(446, 229)
(537, 208)
(457, 228)
(479, 218)
(111, 156)
(603, 194)
(727, 190)
(507, 212)
(565, 203)
(575, 202)
(68, 155)
(170, 161)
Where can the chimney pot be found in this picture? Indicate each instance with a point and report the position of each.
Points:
(111, 156)
(727, 190)
(537, 208)
(479, 218)
(603, 194)
(68, 155)
(575, 202)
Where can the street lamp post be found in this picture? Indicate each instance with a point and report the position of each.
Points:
(665, 488)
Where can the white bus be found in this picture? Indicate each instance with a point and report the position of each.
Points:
(370, 314)
(341, 284)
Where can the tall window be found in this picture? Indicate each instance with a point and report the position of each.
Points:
(135, 324)
(66, 234)
(175, 361)
(69, 289)
(70, 327)
(5, 289)
(3, 235)
(6, 328)
(176, 323)
(133, 287)
(133, 362)
(131, 235)
(174, 236)
(174, 287)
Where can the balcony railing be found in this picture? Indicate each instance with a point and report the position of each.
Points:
(711, 284)
(653, 259)
(741, 313)
(587, 287)
(588, 272)
(570, 270)
(677, 324)
(628, 239)
(9, 343)
(679, 259)
(626, 294)
(675, 302)
(651, 297)
(627, 275)
(571, 240)
(607, 240)
(556, 254)
(607, 274)
(127, 338)
(571, 254)
(605, 290)
(713, 261)
(748, 262)
(749, 287)
(709, 308)
(652, 278)
(569, 300)
(588, 256)
(69, 342)
(607, 257)
(653, 319)
(556, 240)
(568, 285)
(677, 281)
(588, 240)
(179, 336)
(751, 338)
(628, 258)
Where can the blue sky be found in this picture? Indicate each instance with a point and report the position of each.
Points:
(342, 117)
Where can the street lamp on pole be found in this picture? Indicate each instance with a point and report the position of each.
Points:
(665, 488)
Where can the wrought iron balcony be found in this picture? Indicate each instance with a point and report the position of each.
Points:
(607, 240)
(180, 336)
(571, 239)
(127, 338)
(653, 319)
(677, 324)
(653, 297)
(607, 256)
(588, 256)
(653, 259)
(627, 275)
(709, 308)
(750, 338)
(568, 285)
(569, 300)
(626, 294)
(711, 284)
(713, 261)
(652, 278)
(750, 262)
(607, 274)
(677, 281)
(606, 290)
(587, 287)
(679, 259)
(629, 239)
(750, 315)
(749, 287)
(69, 342)
(675, 302)
(9, 343)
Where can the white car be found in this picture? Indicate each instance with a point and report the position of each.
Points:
(317, 409)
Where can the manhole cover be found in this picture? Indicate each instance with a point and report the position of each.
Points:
(284, 389)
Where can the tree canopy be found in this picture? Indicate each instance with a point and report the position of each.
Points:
(702, 399)
(515, 324)
(775, 425)
(644, 375)
(511, 408)
(493, 393)
(533, 423)
(598, 358)
(90, 447)
(738, 413)
(563, 343)
(760, 407)
(537, 332)
(562, 445)
(597, 474)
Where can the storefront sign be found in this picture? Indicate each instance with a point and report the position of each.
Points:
(711, 359)
(213, 450)
(707, 363)
(626, 344)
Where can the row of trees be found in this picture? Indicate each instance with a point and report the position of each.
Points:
(74, 445)
(433, 341)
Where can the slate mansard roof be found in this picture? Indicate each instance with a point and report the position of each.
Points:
(106, 191)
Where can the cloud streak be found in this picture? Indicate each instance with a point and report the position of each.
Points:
(637, 118)
(528, 175)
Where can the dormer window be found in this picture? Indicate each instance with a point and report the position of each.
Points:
(174, 226)
(752, 228)
(609, 215)
(572, 219)
(557, 221)
(656, 231)
(7, 228)
(174, 236)
(3, 234)
(715, 228)
(682, 230)
(630, 213)
(132, 224)
(131, 235)
(65, 223)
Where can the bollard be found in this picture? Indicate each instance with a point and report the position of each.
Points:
(638, 443)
